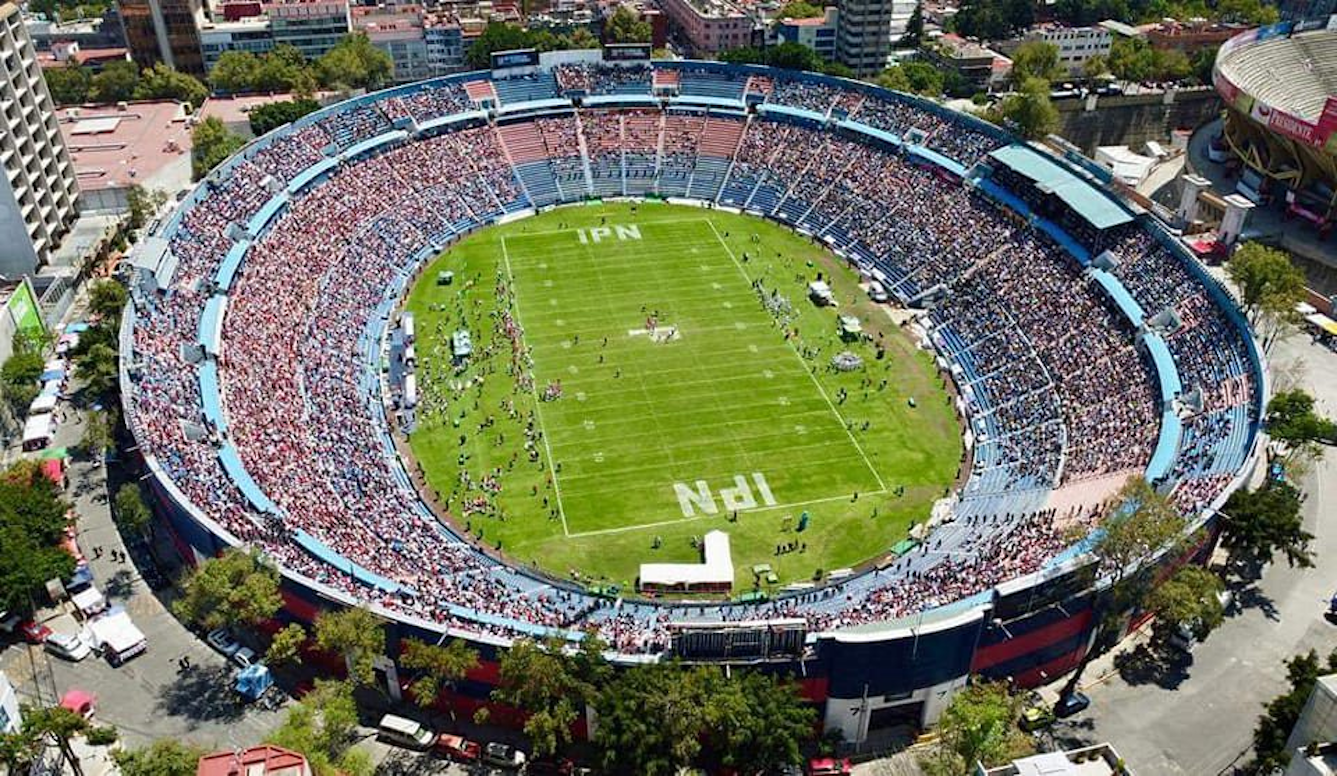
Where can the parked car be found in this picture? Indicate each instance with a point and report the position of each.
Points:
(405, 732)
(1071, 704)
(458, 748)
(34, 632)
(503, 756)
(830, 766)
(245, 657)
(550, 766)
(68, 646)
(221, 640)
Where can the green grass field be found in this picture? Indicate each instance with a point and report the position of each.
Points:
(657, 437)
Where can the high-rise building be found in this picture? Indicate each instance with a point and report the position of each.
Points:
(165, 31)
(38, 188)
(313, 26)
(868, 28)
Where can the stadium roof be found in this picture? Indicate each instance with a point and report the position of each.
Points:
(1099, 210)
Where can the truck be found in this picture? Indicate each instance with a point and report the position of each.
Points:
(116, 637)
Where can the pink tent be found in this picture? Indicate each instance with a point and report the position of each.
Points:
(78, 701)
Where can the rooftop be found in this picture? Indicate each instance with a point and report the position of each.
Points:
(1098, 760)
(114, 149)
(256, 761)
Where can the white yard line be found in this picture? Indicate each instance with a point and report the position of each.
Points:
(534, 388)
(721, 514)
(806, 369)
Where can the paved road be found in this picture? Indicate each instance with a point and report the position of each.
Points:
(1198, 719)
(147, 698)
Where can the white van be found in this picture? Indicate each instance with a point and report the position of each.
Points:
(404, 732)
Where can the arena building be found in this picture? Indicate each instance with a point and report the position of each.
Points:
(1085, 346)
(1278, 83)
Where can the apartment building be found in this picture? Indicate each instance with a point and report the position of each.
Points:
(165, 31)
(38, 187)
(868, 30)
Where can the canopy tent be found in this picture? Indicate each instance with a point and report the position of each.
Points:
(38, 429)
(78, 701)
(253, 680)
(714, 573)
(1322, 322)
(44, 403)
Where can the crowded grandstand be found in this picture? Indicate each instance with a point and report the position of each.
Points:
(1085, 344)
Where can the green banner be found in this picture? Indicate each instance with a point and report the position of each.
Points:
(22, 306)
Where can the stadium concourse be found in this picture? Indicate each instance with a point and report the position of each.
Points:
(1086, 345)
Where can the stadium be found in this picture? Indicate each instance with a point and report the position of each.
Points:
(1278, 84)
(337, 352)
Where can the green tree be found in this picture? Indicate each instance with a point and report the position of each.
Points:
(162, 82)
(1132, 59)
(143, 205)
(285, 69)
(1202, 64)
(626, 26)
(323, 726)
(1188, 599)
(354, 63)
(1036, 59)
(164, 757)
(538, 678)
(756, 723)
(60, 725)
(651, 718)
(1029, 111)
(19, 749)
(994, 19)
(132, 513)
(106, 300)
(212, 143)
(99, 432)
(69, 85)
(439, 667)
(1291, 418)
(979, 725)
(235, 71)
(358, 635)
(116, 83)
(1095, 67)
(97, 368)
(497, 36)
(893, 78)
(1281, 713)
(800, 9)
(236, 588)
(924, 78)
(1258, 524)
(582, 38)
(266, 118)
(286, 646)
(792, 56)
(1270, 286)
(32, 526)
(1140, 523)
(914, 28)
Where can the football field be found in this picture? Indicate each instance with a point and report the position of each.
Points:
(652, 425)
(642, 375)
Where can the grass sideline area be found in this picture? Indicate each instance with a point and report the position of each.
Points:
(675, 356)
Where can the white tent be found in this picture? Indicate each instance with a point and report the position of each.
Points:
(38, 430)
(43, 404)
(715, 572)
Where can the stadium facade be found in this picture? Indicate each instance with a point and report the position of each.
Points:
(1279, 84)
(882, 672)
